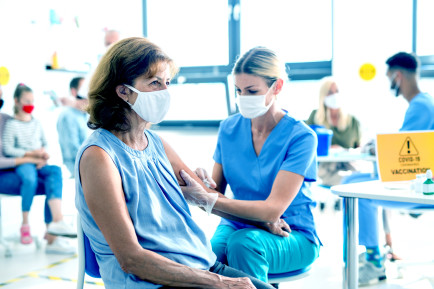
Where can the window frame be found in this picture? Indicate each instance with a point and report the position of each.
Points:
(426, 61)
(221, 73)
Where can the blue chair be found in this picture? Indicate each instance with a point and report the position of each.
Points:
(289, 276)
(87, 263)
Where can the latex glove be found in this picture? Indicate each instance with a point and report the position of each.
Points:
(280, 228)
(196, 195)
(205, 178)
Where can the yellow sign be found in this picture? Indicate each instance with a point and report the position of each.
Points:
(4, 75)
(401, 156)
(367, 71)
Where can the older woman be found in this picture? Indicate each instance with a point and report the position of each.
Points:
(128, 196)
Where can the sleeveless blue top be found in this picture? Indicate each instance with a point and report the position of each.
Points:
(158, 210)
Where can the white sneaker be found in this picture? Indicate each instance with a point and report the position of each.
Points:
(369, 274)
(60, 246)
(61, 229)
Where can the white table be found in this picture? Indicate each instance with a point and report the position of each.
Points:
(368, 190)
(346, 156)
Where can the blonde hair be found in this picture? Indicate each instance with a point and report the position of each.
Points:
(262, 62)
(322, 116)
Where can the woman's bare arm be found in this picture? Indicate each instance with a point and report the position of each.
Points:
(257, 213)
(104, 195)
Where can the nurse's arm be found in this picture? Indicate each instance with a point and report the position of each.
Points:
(178, 165)
(102, 187)
(219, 178)
(285, 188)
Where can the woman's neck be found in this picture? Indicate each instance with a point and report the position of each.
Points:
(266, 123)
(135, 137)
(23, 116)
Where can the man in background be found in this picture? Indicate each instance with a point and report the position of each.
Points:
(111, 36)
(402, 72)
(72, 126)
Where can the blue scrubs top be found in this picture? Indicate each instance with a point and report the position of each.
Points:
(160, 215)
(420, 113)
(291, 146)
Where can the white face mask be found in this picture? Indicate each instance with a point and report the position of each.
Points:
(151, 106)
(333, 101)
(252, 106)
(394, 87)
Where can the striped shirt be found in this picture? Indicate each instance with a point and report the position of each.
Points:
(5, 162)
(20, 137)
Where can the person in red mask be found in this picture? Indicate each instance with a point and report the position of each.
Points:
(24, 171)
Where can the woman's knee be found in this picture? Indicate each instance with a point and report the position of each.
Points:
(28, 175)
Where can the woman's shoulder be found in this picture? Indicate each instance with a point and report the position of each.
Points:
(311, 118)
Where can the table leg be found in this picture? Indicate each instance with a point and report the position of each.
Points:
(351, 233)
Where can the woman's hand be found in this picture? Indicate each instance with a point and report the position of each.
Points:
(39, 153)
(205, 178)
(280, 228)
(196, 195)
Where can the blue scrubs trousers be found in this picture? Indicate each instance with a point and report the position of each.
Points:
(27, 181)
(258, 252)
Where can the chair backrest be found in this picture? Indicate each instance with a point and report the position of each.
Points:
(86, 257)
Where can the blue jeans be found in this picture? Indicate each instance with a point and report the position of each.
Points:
(27, 181)
(258, 252)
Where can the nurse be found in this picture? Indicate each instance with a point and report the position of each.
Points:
(268, 159)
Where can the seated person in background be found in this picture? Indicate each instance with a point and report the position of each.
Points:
(345, 127)
(402, 73)
(267, 158)
(130, 202)
(72, 127)
(24, 171)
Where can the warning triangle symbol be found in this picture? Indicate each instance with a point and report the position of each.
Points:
(408, 148)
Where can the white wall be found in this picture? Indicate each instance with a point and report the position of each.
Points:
(364, 31)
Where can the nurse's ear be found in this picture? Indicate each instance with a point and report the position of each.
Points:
(278, 86)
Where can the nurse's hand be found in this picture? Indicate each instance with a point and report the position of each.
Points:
(196, 195)
(205, 178)
(280, 228)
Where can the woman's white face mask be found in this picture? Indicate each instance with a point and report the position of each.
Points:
(252, 106)
(151, 106)
(333, 101)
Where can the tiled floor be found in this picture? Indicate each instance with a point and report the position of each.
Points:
(32, 268)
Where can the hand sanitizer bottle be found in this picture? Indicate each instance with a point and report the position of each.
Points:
(428, 185)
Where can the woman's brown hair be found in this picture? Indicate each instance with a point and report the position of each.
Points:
(122, 64)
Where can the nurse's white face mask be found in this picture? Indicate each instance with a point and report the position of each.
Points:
(151, 106)
(252, 106)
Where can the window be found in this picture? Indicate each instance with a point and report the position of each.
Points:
(294, 29)
(196, 37)
(424, 46)
(207, 37)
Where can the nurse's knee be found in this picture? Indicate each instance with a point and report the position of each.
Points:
(244, 241)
